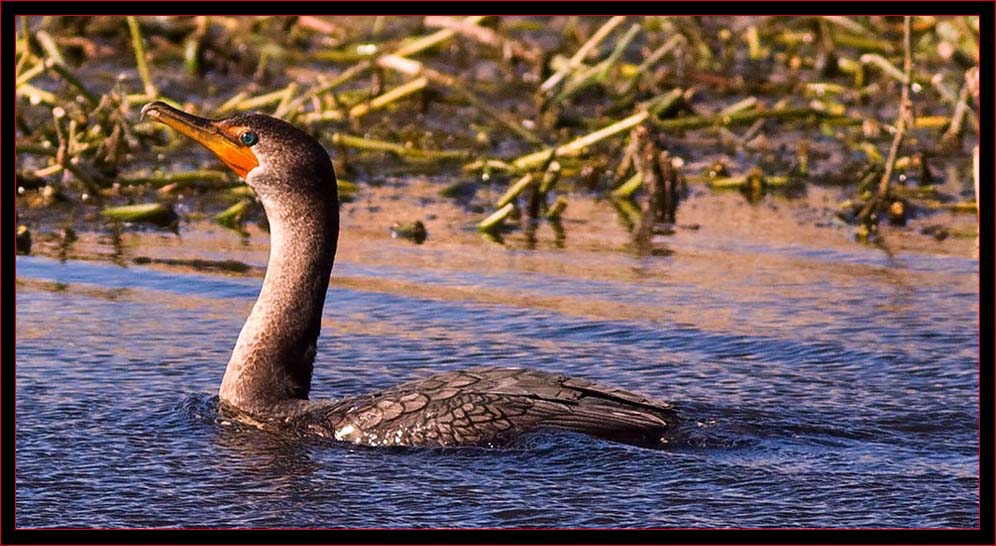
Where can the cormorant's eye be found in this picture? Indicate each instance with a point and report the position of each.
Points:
(249, 138)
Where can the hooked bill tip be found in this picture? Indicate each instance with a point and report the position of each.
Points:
(152, 109)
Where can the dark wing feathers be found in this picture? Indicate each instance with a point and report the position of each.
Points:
(482, 405)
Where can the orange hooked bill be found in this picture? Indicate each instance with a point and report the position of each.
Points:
(209, 133)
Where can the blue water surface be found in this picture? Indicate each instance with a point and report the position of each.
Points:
(846, 399)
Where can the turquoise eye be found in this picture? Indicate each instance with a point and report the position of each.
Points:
(249, 138)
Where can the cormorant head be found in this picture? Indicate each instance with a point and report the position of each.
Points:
(274, 157)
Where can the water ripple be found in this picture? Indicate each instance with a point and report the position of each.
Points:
(798, 409)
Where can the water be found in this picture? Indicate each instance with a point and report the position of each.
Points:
(825, 386)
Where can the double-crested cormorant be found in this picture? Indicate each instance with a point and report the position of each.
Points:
(269, 374)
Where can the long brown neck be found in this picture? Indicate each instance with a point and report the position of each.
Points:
(272, 362)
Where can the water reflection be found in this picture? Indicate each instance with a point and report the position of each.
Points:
(796, 393)
(67, 237)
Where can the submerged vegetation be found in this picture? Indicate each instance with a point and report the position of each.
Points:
(633, 110)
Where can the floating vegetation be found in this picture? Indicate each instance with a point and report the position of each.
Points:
(538, 109)
(347, 190)
(492, 224)
(234, 216)
(413, 231)
(157, 214)
(23, 240)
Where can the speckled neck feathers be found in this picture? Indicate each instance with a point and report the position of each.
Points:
(271, 364)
